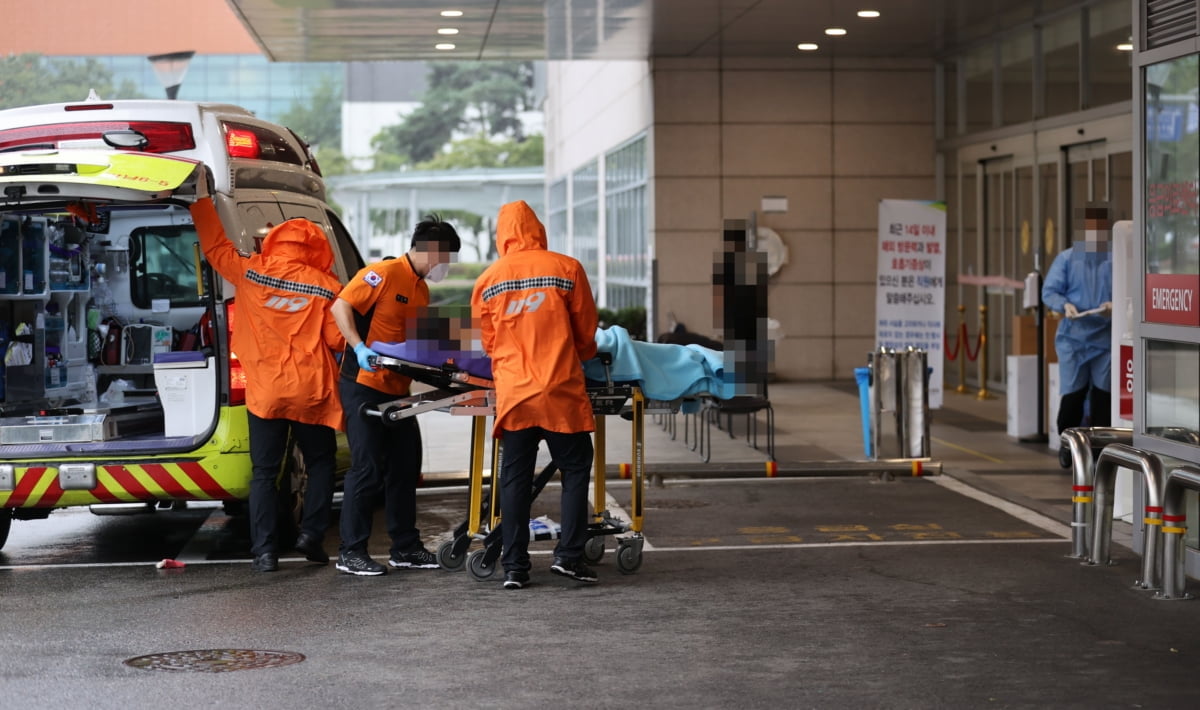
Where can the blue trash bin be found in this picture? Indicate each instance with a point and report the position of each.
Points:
(863, 376)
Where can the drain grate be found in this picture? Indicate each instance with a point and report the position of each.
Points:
(215, 660)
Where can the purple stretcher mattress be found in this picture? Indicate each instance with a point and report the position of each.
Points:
(427, 352)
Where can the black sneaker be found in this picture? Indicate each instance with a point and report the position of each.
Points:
(516, 579)
(576, 570)
(266, 562)
(312, 549)
(359, 564)
(419, 558)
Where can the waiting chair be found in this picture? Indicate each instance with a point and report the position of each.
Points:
(714, 409)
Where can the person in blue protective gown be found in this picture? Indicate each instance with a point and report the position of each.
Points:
(1079, 286)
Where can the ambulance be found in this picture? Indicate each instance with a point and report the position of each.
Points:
(118, 389)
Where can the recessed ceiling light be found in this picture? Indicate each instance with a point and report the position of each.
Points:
(447, 30)
(1125, 46)
(807, 47)
(452, 13)
(868, 14)
(443, 46)
(835, 31)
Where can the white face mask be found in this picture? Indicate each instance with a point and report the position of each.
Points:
(437, 272)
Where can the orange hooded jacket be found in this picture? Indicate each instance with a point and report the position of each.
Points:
(285, 336)
(538, 323)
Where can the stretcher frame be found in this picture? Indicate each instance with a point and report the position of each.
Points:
(459, 393)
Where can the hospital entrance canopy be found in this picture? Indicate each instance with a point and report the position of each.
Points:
(370, 30)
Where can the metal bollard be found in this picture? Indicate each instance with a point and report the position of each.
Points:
(899, 389)
(1177, 480)
(1080, 441)
(1150, 466)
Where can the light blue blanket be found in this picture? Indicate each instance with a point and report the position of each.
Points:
(665, 372)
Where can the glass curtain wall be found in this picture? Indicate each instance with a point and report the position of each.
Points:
(585, 220)
(1015, 86)
(627, 273)
(557, 237)
(267, 88)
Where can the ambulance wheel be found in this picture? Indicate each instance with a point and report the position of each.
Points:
(479, 569)
(6, 521)
(593, 550)
(447, 559)
(629, 559)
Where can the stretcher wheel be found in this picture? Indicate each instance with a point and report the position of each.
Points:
(480, 568)
(593, 549)
(447, 559)
(389, 414)
(629, 558)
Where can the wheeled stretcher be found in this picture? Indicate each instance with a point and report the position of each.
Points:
(462, 386)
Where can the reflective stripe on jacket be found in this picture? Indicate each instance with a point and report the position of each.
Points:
(285, 336)
(538, 323)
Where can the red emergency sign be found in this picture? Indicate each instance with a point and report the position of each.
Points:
(1173, 299)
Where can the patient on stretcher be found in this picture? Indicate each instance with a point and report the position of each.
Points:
(445, 338)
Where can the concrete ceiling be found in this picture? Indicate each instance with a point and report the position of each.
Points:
(366, 30)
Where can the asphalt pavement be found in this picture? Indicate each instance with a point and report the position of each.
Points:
(815, 588)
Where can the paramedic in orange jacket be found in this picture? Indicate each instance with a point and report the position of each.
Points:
(538, 323)
(285, 339)
(373, 307)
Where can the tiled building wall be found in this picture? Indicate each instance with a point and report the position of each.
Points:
(834, 137)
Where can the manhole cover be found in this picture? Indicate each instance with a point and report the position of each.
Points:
(215, 660)
(674, 504)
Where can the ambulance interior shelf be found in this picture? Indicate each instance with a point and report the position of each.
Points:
(57, 275)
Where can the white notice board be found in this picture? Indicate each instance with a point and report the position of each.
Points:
(910, 289)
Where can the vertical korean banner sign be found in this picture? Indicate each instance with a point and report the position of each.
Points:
(910, 290)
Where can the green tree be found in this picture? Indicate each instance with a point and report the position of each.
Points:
(30, 79)
(318, 119)
(478, 98)
(480, 152)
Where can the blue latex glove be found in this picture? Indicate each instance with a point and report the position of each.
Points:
(366, 357)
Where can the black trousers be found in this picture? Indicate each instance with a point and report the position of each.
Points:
(573, 455)
(383, 459)
(268, 446)
(1070, 408)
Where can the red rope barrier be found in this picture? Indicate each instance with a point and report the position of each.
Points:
(978, 343)
(951, 355)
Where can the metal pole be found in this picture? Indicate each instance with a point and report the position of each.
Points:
(962, 355)
(983, 330)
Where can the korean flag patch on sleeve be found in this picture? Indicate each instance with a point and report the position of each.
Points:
(373, 279)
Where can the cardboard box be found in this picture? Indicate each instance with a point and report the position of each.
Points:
(1024, 336)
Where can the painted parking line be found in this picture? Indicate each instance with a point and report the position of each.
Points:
(1020, 513)
(965, 450)
(614, 509)
(857, 543)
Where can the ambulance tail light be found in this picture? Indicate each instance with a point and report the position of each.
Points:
(160, 136)
(237, 381)
(241, 143)
(237, 374)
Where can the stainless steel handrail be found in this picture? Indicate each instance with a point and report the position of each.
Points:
(1174, 514)
(1150, 466)
(1080, 441)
